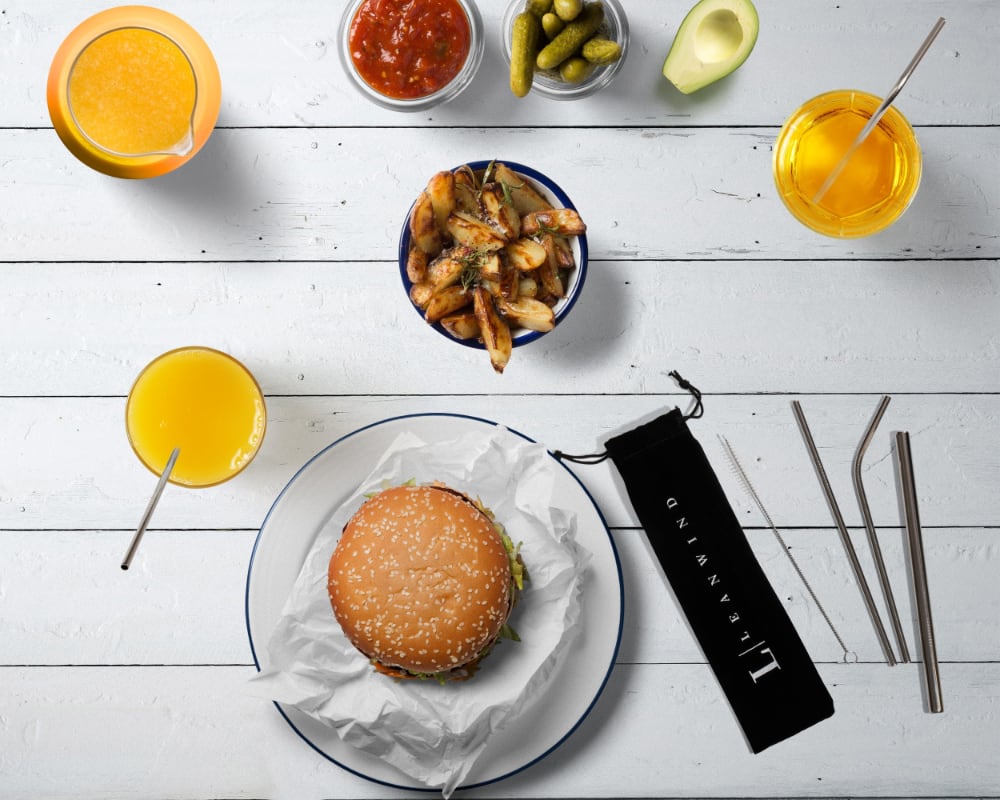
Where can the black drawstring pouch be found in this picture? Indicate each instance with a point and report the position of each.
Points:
(744, 632)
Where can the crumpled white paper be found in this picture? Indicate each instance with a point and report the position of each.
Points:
(430, 732)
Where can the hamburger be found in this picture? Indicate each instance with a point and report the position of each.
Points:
(423, 581)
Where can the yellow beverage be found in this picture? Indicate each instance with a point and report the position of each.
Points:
(134, 92)
(206, 403)
(878, 182)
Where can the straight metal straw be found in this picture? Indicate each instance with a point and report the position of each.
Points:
(879, 112)
(909, 490)
(866, 515)
(148, 514)
(844, 535)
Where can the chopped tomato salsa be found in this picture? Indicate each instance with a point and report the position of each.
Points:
(409, 48)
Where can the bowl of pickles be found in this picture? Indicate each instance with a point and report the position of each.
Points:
(563, 49)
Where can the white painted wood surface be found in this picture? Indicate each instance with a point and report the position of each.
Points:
(277, 244)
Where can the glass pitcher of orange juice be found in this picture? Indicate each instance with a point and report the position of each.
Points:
(203, 402)
(134, 92)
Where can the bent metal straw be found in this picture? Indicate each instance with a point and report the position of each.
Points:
(866, 515)
(844, 535)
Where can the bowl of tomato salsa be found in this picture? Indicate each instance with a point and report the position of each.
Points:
(410, 55)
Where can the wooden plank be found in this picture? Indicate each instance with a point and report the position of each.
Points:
(67, 463)
(657, 731)
(283, 69)
(350, 329)
(182, 603)
(320, 194)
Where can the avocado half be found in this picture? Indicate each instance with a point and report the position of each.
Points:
(714, 39)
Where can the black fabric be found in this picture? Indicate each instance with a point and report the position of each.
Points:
(748, 639)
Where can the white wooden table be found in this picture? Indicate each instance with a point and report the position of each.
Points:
(277, 244)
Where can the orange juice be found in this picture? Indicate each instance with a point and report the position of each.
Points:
(206, 403)
(876, 185)
(134, 92)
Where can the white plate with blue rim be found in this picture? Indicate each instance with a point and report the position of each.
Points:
(323, 484)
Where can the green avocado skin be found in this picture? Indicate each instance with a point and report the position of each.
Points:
(714, 39)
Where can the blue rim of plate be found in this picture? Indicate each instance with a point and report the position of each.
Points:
(524, 336)
(573, 727)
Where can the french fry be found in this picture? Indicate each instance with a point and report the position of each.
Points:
(495, 332)
(446, 301)
(423, 227)
(564, 221)
(462, 325)
(466, 189)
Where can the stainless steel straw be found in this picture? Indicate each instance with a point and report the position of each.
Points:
(880, 111)
(148, 514)
(866, 515)
(908, 488)
(844, 535)
(749, 488)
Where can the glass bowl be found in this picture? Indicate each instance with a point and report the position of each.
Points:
(444, 93)
(574, 278)
(547, 82)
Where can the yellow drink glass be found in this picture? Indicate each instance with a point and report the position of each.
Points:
(202, 401)
(134, 92)
(877, 184)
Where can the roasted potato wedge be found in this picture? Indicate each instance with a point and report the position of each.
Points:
(548, 273)
(527, 287)
(494, 331)
(462, 325)
(524, 197)
(467, 230)
(526, 254)
(441, 188)
(446, 301)
(421, 294)
(498, 211)
(444, 271)
(423, 227)
(563, 221)
(416, 264)
(529, 313)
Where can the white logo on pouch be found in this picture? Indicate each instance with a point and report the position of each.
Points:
(765, 660)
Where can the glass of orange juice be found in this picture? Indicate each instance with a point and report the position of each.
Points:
(878, 182)
(202, 401)
(134, 92)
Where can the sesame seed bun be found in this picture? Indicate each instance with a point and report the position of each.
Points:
(420, 581)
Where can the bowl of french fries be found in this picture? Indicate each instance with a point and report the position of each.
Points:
(493, 255)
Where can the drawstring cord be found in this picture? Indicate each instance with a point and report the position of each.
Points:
(596, 458)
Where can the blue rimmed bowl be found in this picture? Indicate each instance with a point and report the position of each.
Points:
(574, 279)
